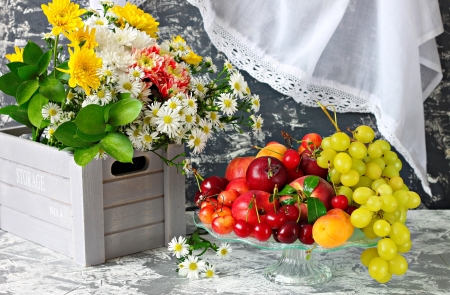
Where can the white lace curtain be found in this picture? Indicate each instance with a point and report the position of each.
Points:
(375, 56)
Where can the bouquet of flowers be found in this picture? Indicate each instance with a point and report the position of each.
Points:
(121, 88)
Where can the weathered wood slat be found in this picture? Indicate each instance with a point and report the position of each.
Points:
(136, 240)
(35, 180)
(36, 230)
(36, 205)
(174, 197)
(133, 189)
(134, 215)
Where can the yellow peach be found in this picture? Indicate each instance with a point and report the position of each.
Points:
(273, 149)
(333, 229)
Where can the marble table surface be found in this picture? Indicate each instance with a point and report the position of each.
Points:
(28, 268)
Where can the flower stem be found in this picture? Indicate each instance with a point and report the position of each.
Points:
(55, 53)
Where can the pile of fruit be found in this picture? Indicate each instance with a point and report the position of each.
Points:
(318, 192)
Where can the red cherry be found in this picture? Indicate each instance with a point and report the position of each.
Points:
(339, 202)
(242, 228)
(291, 212)
(262, 232)
(275, 220)
(291, 159)
(306, 234)
(212, 185)
(350, 209)
(197, 197)
(289, 232)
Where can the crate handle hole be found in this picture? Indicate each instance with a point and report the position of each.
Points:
(138, 164)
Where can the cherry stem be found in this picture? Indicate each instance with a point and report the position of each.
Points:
(299, 208)
(275, 193)
(256, 208)
(270, 172)
(334, 122)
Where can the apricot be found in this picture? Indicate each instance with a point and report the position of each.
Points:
(333, 229)
(273, 149)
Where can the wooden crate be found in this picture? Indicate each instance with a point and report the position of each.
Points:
(89, 214)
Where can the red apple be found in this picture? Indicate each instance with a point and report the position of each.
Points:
(266, 172)
(239, 184)
(323, 191)
(241, 210)
(309, 166)
(311, 141)
(237, 167)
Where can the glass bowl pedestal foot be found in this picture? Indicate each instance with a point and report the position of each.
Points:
(297, 267)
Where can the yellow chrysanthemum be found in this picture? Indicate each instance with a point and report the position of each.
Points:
(83, 36)
(63, 15)
(137, 18)
(192, 58)
(18, 56)
(84, 66)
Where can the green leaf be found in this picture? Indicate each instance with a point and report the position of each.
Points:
(26, 90)
(28, 72)
(9, 83)
(66, 133)
(118, 146)
(44, 62)
(35, 109)
(124, 112)
(14, 66)
(90, 120)
(309, 184)
(90, 137)
(61, 75)
(287, 190)
(32, 53)
(288, 201)
(83, 156)
(54, 90)
(315, 209)
(124, 95)
(19, 114)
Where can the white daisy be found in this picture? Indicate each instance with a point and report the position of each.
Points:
(197, 141)
(47, 36)
(255, 103)
(191, 267)
(108, 74)
(214, 117)
(224, 251)
(238, 85)
(227, 104)
(210, 272)
(154, 109)
(179, 247)
(173, 103)
(144, 94)
(101, 154)
(70, 98)
(188, 121)
(190, 103)
(206, 126)
(213, 68)
(167, 121)
(103, 96)
(229, 66)
(124, 85)
(257, 123)
(49, 131)
(96, 21)
(147, 139)
(198, 85)
(136, 73)
(187, 166)
(53, 111)
(88, 101)
(147, 119)
(134, 134)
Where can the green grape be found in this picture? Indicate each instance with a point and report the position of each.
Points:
(373, 171)
(397, 214)
(403, 216)
(374, 150)
(361, 194)
(398, 164)
(340, 141)
(400, 233)
(357, 150)
(346, 191)
(364, 133)
(368, 230)
(361, 217)
(377, 182)
(367, 255)
(385, 279)
(326, 157)
(381, 228)
(396, 183)
(387, 249)
(390, 157)
(350, 178)
(384, 189)
(326, 143)
(379, 162)
(367, 159)
(384, 144)
(335, 176)
(359, 166)
(413, 200)
(405, 247)
(378, 268)
(398, 265)
(373, 203)
(364, 181)
(402, 198)
(405, 188)
(390, 171)
(342, 162)
(388, 203)
(389, 217)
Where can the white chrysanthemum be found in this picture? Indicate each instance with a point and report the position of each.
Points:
(96, 21)
(227, 104)
(258, 122)
(164, 48)
(125, 36)
(147, 139)
(214, 117)
(173, 103)
(124, 85)
(191, 267)
(101, 154)
(238, 84)
(198, 85)
(51, 111)
(210, 272)
(167, 121)
(197, 141)
(229, 66)
(206, 126)
(134, 134)
(255, 103)
(179, 247)
(142, 41)
(49, 131)
(103, 36)
(136, 73)
(116, 57)
(224, 251)
(190, 103)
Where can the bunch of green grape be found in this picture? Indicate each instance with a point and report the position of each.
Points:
(367, 172)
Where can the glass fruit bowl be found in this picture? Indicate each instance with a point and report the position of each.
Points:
(296, 265)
